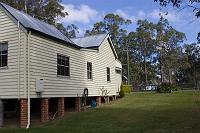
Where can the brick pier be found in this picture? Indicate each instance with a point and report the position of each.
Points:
(23, 113)
(61, 106)
(44, 110)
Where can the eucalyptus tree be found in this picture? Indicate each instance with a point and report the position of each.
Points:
(193, 4)
(171, 57)
(182, 4)
(70, 31)
(113, 24)
(191, 75)
(45, 10)
(116, 26)
(145, 45)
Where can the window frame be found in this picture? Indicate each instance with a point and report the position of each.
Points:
(89, 72)
(108, 76)
(1, 54)
(60, 65)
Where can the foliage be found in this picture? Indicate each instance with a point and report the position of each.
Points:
(45, 10)
(70, 31)
(48, 11)
(116, 26)
(126, 88)
(191, 75)
(113, 24)
(170, 56)
(142, 46)
(193, 4)
(178, 3)
(167, 88)
(121, 93)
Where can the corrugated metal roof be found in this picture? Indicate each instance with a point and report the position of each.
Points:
(90, 41)
(31, 23)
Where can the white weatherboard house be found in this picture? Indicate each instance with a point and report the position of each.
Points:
(42, 70)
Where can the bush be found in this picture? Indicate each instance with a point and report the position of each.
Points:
(126, 88)
(121, 93)
(167, 88)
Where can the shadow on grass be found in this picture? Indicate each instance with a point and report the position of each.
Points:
(151, 113)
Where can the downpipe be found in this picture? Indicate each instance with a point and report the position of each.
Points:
(18, 58)
(28, 92)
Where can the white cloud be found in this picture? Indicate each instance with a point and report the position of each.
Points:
(125, 15)
(141, 14)
(172, 16)
(82, 13)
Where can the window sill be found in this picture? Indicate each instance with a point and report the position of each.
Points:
(108, 81)
(90, 80)
(2, 68)
(64, 77)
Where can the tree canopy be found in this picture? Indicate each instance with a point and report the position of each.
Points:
(193, 4)
(46, 10)
(141, 45)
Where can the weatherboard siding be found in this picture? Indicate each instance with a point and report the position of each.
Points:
(118, 77)
(43, 65)
(9, 76)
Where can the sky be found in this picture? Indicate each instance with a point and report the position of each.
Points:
(84, 13)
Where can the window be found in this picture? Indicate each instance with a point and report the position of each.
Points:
(63, 65)
(108, 74)
(3, 54)
(89, 70)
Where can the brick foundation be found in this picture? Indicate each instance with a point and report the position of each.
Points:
(23, 113)
(98, 101)
(61, 106)
(44, 110)
(78, 104)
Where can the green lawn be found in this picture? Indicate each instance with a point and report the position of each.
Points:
(178, 112)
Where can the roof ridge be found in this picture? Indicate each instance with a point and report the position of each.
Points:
(90, 36)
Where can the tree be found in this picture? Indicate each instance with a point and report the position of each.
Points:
(113, 24)
(142, 42)
(70, 31)
(140, 47)
(191, 75)
(171, 57)
(193, 4)
(45, 10)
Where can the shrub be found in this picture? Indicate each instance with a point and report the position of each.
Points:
(126, 88)
(121, 93)
(167, 88)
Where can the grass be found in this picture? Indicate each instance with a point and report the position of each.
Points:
(178, 112)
